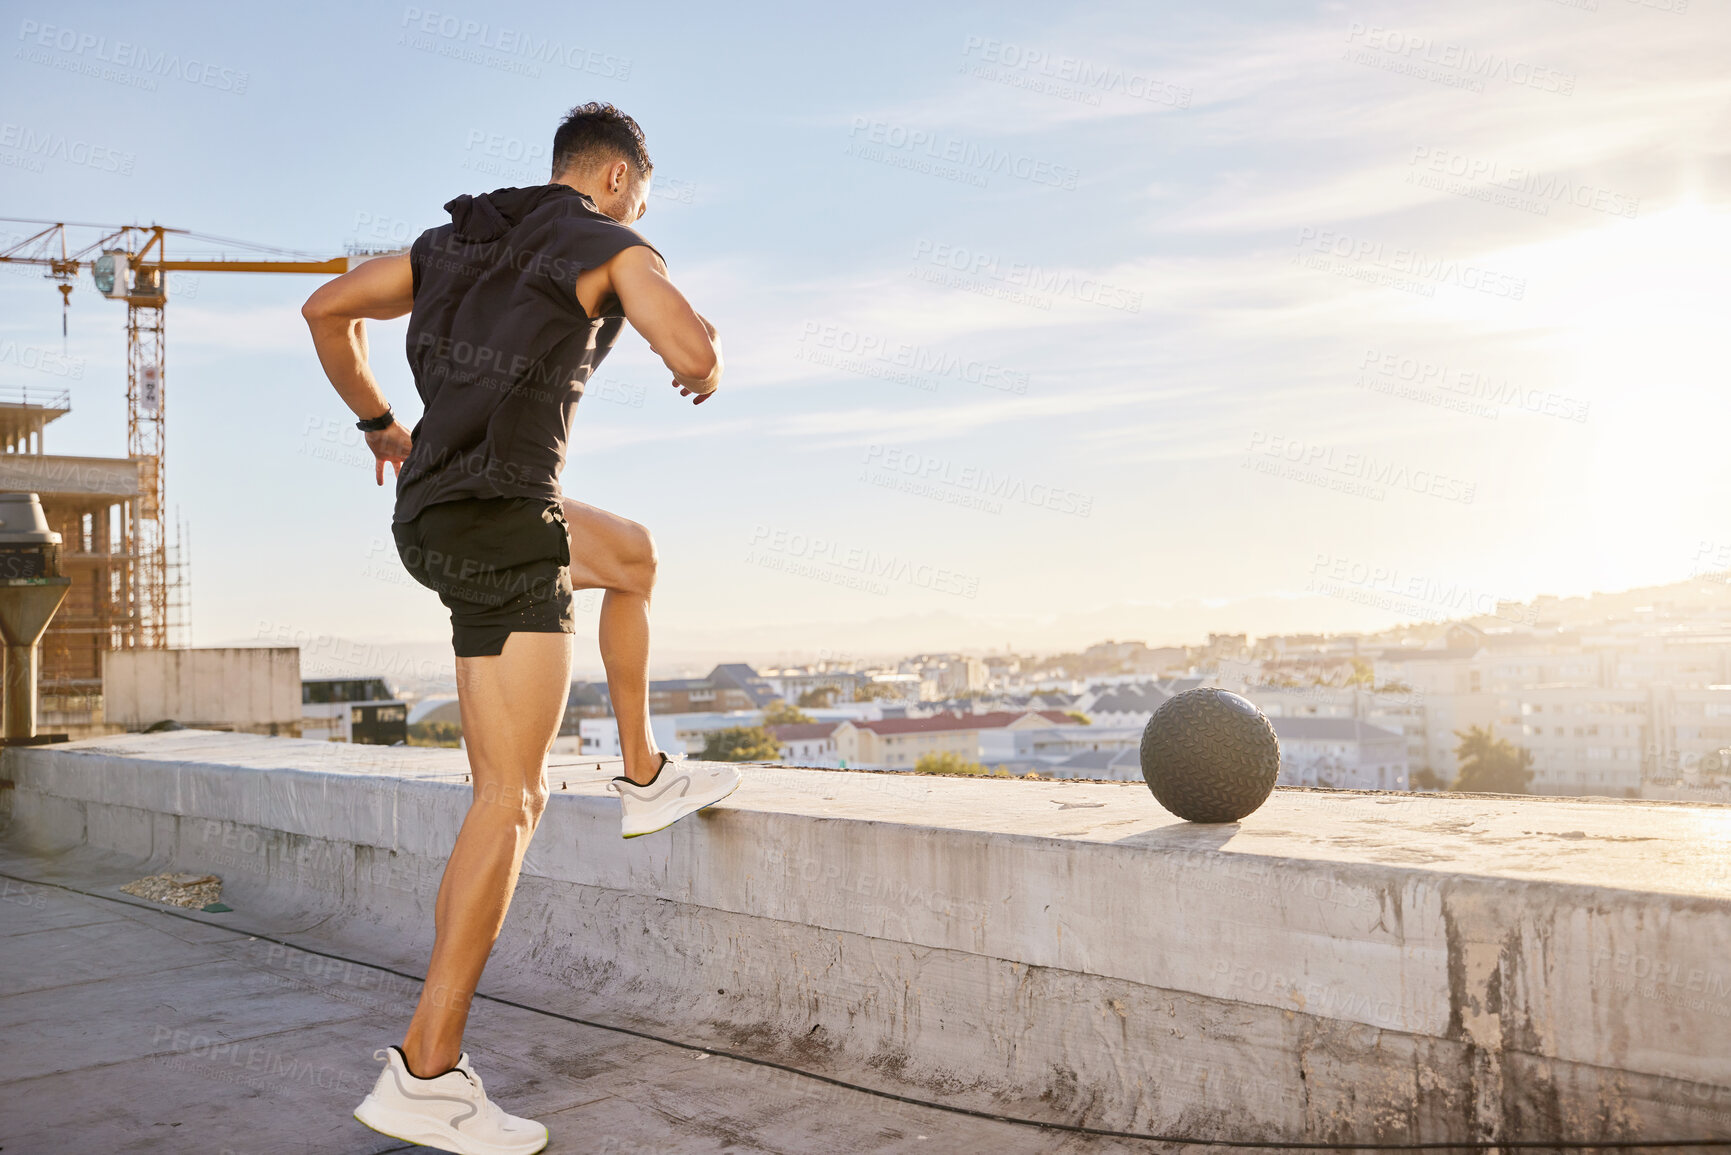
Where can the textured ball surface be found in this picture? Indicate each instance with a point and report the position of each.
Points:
(1210, 756)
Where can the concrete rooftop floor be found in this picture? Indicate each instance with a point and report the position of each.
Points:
(113, 1011)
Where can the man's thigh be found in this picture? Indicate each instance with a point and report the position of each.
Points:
(606, 550)
(512, 704)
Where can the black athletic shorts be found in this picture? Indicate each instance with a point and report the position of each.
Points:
(498, 563)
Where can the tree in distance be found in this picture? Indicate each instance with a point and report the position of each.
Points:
(818, 697)
(779, 713)
(1491, 765)
(434, 734)
(946, 762)
(740, 744)
(1425, 778)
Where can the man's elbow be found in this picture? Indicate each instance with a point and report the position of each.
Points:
(315, 310)
(697, 364)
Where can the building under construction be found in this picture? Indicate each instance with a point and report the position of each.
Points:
(129, 589)
(124, 595)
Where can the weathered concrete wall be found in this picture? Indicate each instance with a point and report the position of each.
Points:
(239, 687)
(1353, 967)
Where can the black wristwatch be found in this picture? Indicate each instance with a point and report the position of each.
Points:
(375, 424)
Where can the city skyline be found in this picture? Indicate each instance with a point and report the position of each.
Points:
(1040, 329)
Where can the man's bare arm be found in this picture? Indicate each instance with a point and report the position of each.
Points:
(685, 342)
(379, 289)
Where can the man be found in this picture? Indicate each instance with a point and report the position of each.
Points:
(511, 307)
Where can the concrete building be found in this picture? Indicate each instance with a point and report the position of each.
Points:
(247, 689)
(734, 686)
(677, 734)
(1342, 753)
(347, 709)
(792, 684)
(1113, 765)
(1053, 744)
(899, 743)
(807, 743)
(122, 597)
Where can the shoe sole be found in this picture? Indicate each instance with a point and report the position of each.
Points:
(688, 813)
(385, 1122)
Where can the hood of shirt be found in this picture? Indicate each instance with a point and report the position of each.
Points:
(489, 216)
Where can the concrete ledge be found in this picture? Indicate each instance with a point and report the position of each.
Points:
(1355, 967)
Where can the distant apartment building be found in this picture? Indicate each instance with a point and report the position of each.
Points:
(792, 685)
(1608, 741)
(726, 688)
(945, 675)
(1130, 703)
(677, 734)
(345, 709)
(1342, 753)
(1035, 745)
(584, 700)
(807, 743)
(1111, 765)
(899, 743)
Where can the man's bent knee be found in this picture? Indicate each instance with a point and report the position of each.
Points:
(639, 561)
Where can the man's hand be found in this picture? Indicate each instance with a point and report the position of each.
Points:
(686, 343)
(390, 445)
(715, 340)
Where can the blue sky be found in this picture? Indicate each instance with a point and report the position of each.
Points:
(1044, 324)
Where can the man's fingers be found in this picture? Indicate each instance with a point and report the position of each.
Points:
(379, 470)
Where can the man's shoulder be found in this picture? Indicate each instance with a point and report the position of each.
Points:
(591, 232)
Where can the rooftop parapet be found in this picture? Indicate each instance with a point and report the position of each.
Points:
(1340, 966)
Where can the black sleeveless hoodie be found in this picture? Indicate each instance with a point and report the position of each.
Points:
(499, 346)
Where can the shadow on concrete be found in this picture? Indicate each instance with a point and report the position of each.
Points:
(1182, 836)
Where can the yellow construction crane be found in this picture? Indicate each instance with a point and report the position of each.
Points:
(130, 263)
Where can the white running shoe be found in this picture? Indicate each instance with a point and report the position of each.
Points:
(675, 791)
(450, 1112)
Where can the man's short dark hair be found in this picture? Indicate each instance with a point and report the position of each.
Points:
(599, 132)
